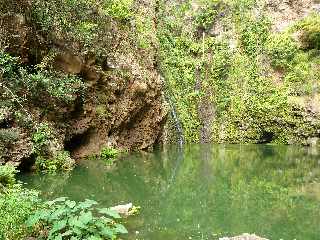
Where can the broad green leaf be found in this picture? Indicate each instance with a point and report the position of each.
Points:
(35, 218)
(86, 204)
(77, 230)
(70, 204)
(57, 226)
(106, 220)
(109, 212)
(121, 229)
(85, 217)
(94, 238)
(107, 232)
(58, 213)
(61, 199)
(59, 237)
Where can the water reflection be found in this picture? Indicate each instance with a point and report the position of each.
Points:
(205, 191)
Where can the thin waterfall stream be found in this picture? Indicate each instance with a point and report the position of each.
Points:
(175, 117)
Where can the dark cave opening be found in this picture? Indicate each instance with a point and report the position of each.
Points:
(266, 137)
(27, 164)
(76, 141)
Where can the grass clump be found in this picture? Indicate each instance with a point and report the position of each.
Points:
(109, 152)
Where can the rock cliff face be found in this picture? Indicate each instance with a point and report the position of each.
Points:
(120, 103)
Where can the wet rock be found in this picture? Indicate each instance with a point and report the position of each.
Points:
(123, 209)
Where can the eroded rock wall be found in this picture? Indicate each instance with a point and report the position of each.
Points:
(121, 105)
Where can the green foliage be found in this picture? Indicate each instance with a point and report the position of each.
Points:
(8, 136)
(16, 204)
(61, 161)
(66, 219)
(41, 137)
(109, 152)
(119, 9)
(65, 88)
(8, 64)
(85, 22)
(282, 50)
(205, 17)
(254, 34)
(15, 207)
(250, 97)
(45, 162)
(310, 27)
(40, 85)
(178, 64)
(144, 31)
(7, 176)
(108, 155)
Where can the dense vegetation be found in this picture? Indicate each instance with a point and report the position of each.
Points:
(225, 54)
(25, 214)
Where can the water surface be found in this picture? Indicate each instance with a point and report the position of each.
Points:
(204, 191)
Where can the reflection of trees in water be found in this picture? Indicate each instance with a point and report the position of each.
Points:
(207, 189)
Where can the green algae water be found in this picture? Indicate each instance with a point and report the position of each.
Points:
(203, 191)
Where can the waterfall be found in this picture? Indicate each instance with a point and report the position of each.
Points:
(177, 123)
(174, 114)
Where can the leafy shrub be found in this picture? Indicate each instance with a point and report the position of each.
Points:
(15, 207)
(66, 219)
(310, 27)
(41, 137)
(254, 34)
(61, 87)
(8, 64)
(8, 135)
(109, 152)
(16, 204)
(7, 176)
(84, 22)
(61, 161)
(282, 50)
(119, 9)
(34, 86)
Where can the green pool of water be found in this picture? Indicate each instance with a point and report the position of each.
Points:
(204, 191)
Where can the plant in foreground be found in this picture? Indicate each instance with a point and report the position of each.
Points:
(16, 204)
(66, 219)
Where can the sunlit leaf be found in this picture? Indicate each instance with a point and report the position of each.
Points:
(109, 212)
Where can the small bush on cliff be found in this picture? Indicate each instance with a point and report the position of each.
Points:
(8, 64)
(41, 137)
(8, 136)
(7, 176)
(119, 9)
(65, 219)
(310, 27)
(282, 50)
(22, 86)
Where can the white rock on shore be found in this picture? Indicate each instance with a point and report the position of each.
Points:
(244, 236)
